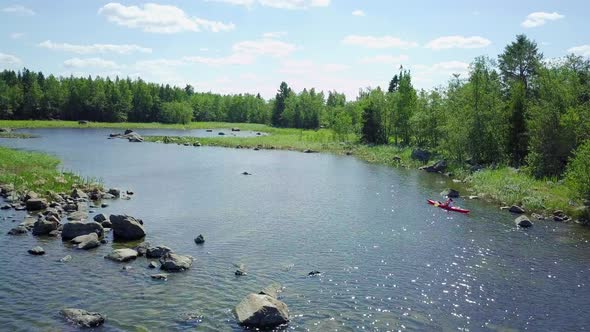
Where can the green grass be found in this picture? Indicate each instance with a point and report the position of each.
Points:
(37, 172)
(509, 186)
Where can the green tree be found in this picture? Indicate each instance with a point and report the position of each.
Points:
(578, 171)
(279, 104)
(373, 129)
(177, 112)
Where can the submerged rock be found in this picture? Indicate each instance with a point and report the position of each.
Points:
(261, 311)
(83, 318)
(36, 251)
(153, 265)
(122, 255)
(126, 228)
(523, 221)
(314, 273)
(175, 262)
(160, 276)
(65, 259)
(19, 230)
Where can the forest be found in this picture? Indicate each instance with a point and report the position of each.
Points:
(518, 110)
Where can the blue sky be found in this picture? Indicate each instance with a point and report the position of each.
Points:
(237, 46)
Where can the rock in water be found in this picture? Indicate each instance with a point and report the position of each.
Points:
(523, 221)
(200, 239)
(516, 209)
(19, 230)
(126, 228)
(175, 263)
(157, 252)
(452, 193)
(77, 228)
(44, 227)
(115, 192)
(439, 166)
(262, 311)
(100, 218)
(65, 259)
(77, 193)
(83, 318)
(86, 242)
(153, 265)
(160, 276)
(36, 251)
(122, 255)
(35, 204)
(142, 248)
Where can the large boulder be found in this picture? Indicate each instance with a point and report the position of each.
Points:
(77, 228)
(122, 255)
(437, 167)
(523, 221)
(83, 318)
(262, 311)
(126, 228)
(175, 263)
(157, 252)
(421, 155)
(44, 227)
(35, 204)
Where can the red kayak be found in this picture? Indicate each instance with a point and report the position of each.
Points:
(448, 208)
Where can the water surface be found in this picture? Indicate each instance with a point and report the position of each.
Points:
(388, 260)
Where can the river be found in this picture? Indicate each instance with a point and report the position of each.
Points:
(388, 260)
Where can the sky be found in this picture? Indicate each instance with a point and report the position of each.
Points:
(251, 46)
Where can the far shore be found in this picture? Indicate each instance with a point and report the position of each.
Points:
(503, 185)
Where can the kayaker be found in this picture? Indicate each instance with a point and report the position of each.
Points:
(448, 203)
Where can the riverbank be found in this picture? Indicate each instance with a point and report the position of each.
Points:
(32, 171)
(503, 186)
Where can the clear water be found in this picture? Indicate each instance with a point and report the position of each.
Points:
(388, 260)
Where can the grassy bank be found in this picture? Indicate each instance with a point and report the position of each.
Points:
(37, 172)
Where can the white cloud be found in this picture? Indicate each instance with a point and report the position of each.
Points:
(540, 18)
(91, 62)
(447, 42)
(378, 42)
(279, 4)
(309, 67)
(95, 48)
(294, 4)
(234, 59)
(274, 34)
(386, 59)
(17, 35)
(19, 10)
(583, 50)
(246, 3)
(159, 18)
(265, 46)
(358, 12)
(9, 60)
